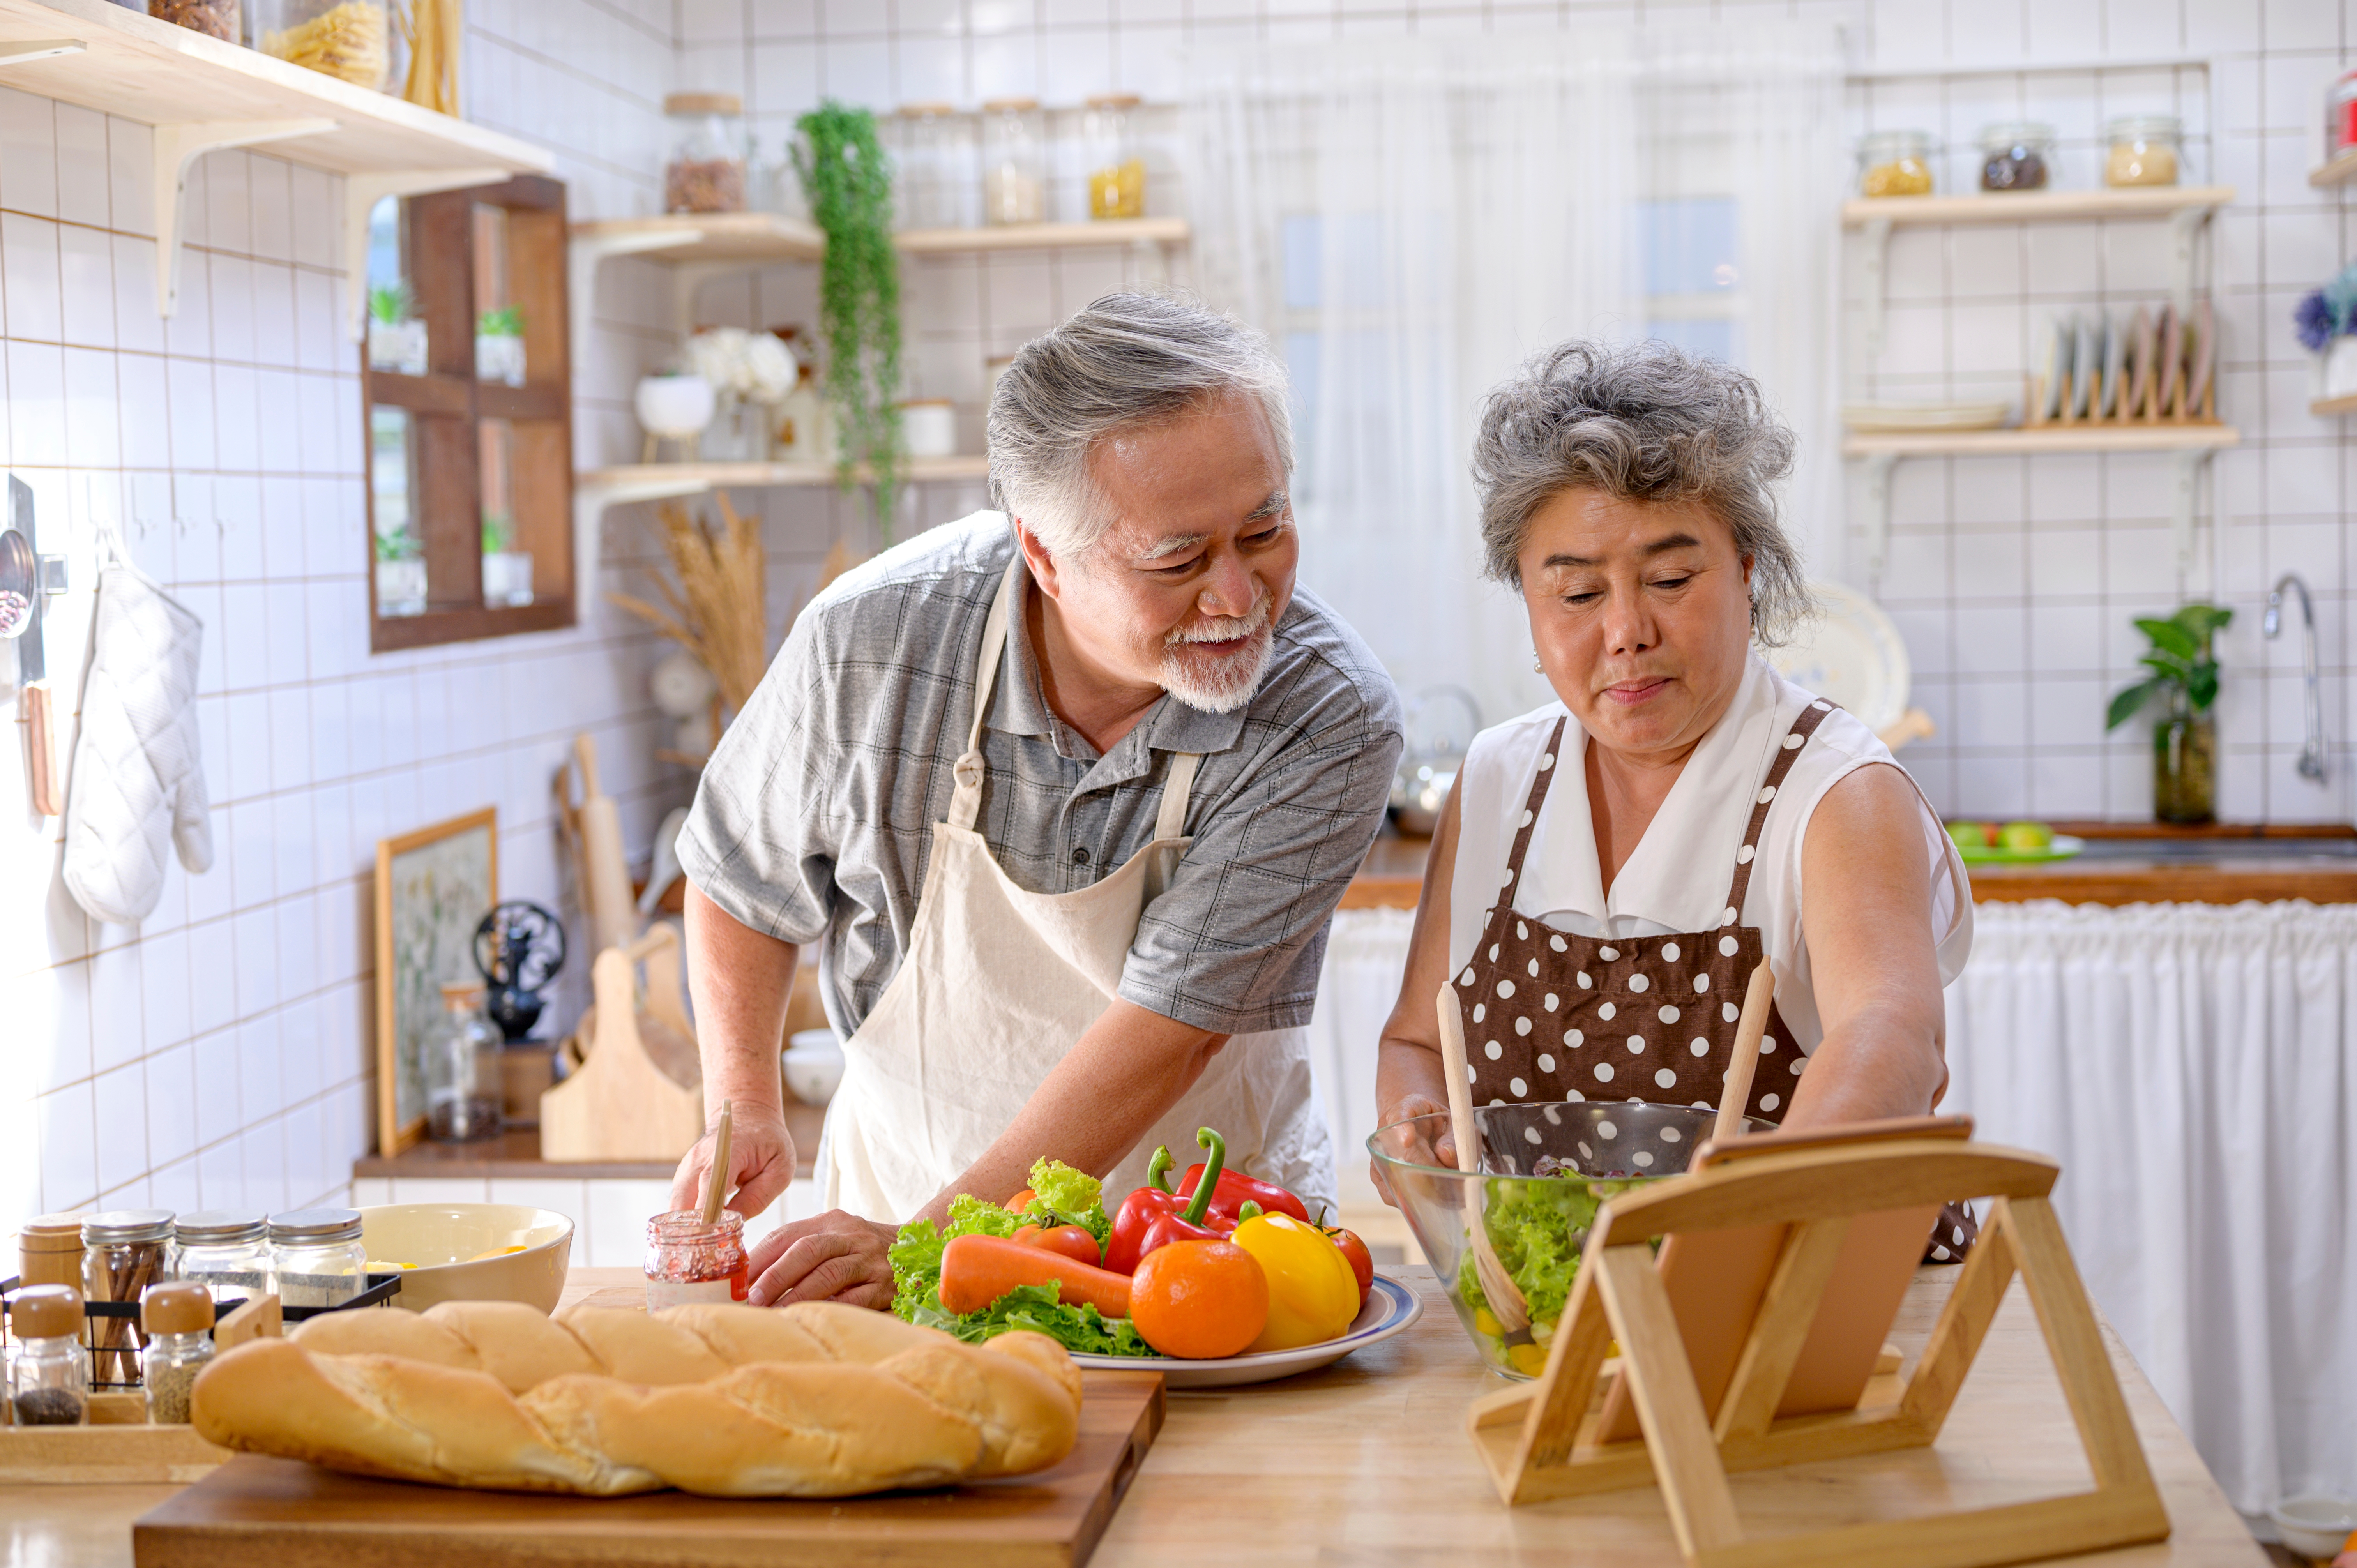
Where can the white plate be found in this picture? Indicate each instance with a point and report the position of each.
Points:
(1900, 417)
(1850, 653)
(1390, 1308)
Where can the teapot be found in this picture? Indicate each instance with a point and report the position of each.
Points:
(1440, 723)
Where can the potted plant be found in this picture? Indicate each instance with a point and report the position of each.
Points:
(400, 572)
(849, 182)
(2325, 318)
(507, 570)
(396, 335)
(2184, 682)
(674, 406)
(499, 346)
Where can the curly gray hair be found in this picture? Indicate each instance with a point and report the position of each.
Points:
(1127, 359)
(1649, 423)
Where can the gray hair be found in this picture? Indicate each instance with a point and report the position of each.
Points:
(1128, 359)
(1648, 422)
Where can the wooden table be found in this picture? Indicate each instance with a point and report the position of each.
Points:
(1367, 1462)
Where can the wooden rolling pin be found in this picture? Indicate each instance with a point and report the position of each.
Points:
(605, 873)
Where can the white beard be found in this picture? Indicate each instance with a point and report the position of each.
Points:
(1226, 684)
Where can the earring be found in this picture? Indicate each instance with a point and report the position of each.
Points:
(1536, 668)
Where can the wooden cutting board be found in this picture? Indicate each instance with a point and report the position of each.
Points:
(292, 1515)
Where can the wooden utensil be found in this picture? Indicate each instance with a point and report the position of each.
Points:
(621, 1104)
(605, 872)
(1748, 1029)
(1506, 1303)
(716, 1180)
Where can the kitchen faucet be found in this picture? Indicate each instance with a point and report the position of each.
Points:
(2311, 753)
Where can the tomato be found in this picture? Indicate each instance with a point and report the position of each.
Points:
(1067, 1240)
(1363, 1262)
(1199, 1300)
(1019, 1202)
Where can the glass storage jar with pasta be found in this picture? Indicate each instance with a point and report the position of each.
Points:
(350, 40)
(2144, 149)
(1895, 163)
(1116, 172)
(1014, 162)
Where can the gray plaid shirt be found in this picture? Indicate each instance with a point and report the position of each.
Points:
(815, 816)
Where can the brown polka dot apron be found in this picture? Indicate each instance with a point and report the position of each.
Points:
(1550, 1015)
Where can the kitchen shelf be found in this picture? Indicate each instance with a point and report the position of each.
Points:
(2327, 407)
(2340, 170)
(1159, 232)
(2036, 206)
(201, 94)
(2189, 446)
(738, 237)
(2187, 208)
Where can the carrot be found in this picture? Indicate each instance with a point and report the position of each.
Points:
(978, 1270)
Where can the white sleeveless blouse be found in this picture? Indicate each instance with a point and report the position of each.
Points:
(1678, 876)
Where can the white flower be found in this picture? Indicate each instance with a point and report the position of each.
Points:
(743, 364)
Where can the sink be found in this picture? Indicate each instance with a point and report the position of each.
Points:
(2202, 851)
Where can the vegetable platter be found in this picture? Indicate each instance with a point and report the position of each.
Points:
(1222, 1279)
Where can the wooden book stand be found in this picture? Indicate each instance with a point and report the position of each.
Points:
(1553, 1438)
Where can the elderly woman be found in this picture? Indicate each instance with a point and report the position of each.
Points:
(1612, 867)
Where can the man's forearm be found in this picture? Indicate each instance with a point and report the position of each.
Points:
(1124, 1073)
(740, 980)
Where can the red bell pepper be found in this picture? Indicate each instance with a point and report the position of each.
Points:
(1195, 1223)
(1231, 1189)
(1138, 1212)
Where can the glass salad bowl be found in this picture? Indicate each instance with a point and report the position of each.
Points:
(1545, 1170)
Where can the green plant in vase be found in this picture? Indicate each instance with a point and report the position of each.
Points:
(2184, 683)
(849, 182)
(390, 304)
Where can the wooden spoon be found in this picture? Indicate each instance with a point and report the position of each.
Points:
(1748, 1028)
(715, 1181)
(1506, 1303)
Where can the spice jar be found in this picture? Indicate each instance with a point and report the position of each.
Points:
(2143, 151)
(690, 1260)
(179, 1318)
(464, 1088)
(348, 39)
(124, 1252)
(1116, 172)
(1014, 162)
(227, 1251)
(1895, 163)
(705, 172)
(2016, 156)
(317, 1257)
(48, 1251)
(936, 162)
(49, 1384)
(214, 18)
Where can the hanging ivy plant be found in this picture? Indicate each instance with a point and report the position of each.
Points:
(849, 182)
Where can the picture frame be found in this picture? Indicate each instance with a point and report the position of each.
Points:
(433, 887)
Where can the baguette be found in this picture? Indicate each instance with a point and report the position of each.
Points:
(812, 1400)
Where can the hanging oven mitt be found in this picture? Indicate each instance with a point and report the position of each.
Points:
(137, 778)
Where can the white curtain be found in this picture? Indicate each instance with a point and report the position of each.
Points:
(1411, 218)
(1366, 954)
(2191, 1066)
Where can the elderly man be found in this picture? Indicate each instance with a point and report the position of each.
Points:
(1064, 797)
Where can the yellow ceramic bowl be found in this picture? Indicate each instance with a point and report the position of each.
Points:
(471, 1251)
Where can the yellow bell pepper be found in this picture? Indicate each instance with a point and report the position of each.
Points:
(1312, 1294)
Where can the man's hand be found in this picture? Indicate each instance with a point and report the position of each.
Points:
(834, 1257)
(761, 1162)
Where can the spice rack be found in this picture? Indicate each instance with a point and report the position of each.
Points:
(201, 94)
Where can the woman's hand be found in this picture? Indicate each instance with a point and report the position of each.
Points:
(834, 1257)
(760, 1160)
(1441, 1151)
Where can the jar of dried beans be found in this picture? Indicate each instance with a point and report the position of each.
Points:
(214, 18)
(690, 1260)
(705, 172)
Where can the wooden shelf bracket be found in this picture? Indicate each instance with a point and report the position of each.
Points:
(2184, 497)
(25, 51)
(362, 193)
(587, 252)
(591, 496)
(177, 146)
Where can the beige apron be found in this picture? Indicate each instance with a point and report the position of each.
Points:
(995, 986)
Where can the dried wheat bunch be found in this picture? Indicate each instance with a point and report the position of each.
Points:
(718, 610)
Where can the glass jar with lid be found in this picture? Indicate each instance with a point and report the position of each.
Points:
(1116, 170)
(227, 1251)
(690, 1260)
(2143, 150)
(350, 40)
(465, 1086)
(2340, 115)
(179, 1318)
(48, 1380)
(1014, 162)
(214, 18)
(125, 1251)
(706, 169)
(2016, 155)
(318, 1256)
(936, 158)
(1895, 163)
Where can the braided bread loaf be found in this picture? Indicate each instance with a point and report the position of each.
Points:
(812, 1400)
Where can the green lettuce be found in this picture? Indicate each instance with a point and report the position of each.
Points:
(916, 1253)
(1081, 1329)
(1538, 1227)
(1062, 1196)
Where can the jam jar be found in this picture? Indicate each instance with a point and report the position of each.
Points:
(690, 1260)
(2016, 155)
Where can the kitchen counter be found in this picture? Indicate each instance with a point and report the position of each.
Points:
(516, 1153)
(1367, 1462)
(2125, 863)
